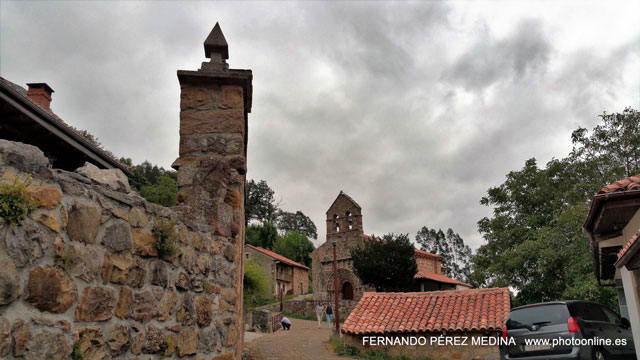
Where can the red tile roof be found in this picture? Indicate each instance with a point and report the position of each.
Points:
(433, 311)
(422, 274)
(631, 242)
(427, 254)
(277, 256)
(628, 184)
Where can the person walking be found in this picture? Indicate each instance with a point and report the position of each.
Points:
(319, 313)
(329, 315)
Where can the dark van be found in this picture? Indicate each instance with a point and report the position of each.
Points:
(566, 330)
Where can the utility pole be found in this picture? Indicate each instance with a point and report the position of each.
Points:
(335, 289)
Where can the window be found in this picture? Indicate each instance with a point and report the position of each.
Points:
(336, 223)
(247, 255)
(349, 219)
(611, 317)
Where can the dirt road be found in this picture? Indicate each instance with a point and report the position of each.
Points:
(303, 342)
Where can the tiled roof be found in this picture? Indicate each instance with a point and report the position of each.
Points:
(422, 274)
(277, 256)
(427, 254)
(433, 311)
(630, 183)
(22, 91)
(633, 240)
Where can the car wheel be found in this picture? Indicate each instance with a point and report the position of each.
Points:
(597, 354)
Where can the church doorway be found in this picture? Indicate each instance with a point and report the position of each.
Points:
(347, 291)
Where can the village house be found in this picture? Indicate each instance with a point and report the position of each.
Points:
(344, 227)
(473, 318)
(285, 274)
(613, 225)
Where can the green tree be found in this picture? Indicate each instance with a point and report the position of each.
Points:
(456, 256)
(388, 264)
(263, 235)
(294, 246)
(534, 239)
(256, 285)
(162, 193)
(298, 222)
(260, 202)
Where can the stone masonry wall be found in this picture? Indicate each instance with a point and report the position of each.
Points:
(82, 268)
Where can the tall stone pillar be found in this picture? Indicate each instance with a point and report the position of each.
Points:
(212, 164)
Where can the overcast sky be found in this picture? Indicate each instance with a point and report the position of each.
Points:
(413, 109)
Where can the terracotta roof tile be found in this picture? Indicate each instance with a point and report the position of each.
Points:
(433, 311)
(423, 274)
(277, 256)
(628, 184)
(633, 240)
(427, 254)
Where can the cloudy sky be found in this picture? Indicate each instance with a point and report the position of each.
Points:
(413, 109)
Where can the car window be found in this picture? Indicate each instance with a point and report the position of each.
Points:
(543, 314)
(611, 316)
(588, 311)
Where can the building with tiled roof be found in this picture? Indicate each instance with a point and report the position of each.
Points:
(344, 227)
(613, 224)
(462, 313)
(285, 275)
(26, 117)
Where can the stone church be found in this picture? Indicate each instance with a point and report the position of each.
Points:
(344, 227)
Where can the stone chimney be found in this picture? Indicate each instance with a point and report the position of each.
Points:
(214, 103)
(40, 93)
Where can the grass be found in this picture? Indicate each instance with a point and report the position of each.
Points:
(350, 351)
(298, 316)
(264, 302)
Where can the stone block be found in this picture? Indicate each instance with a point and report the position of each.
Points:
(113, 178)
(117, 236)
(84, 220)
(96, 304)
(230, 97)
(49, 289)
(119, 339)
(44, 196)
(123, 308)
(195, 99)
(144, 242)
(168, 306)
(144, 307)
(5, 336)
(21, 335)
(90, 341)
(211, 121)
(10, 284)
(188, 341)
(48, 345)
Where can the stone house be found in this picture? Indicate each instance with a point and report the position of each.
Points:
(462, 315)
(613, 225)
(285, 274)
(344, 227)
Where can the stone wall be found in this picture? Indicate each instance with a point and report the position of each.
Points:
(82, 268)
(307, 307)
(435, 351)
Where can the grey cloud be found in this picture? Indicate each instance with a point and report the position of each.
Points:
(527, 50)
(371, 98)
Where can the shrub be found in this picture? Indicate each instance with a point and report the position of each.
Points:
(15, 202)
(166, 235)
(77, 354)
(67, 260)
(256, 284)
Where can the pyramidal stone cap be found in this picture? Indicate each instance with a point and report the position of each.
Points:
(216, 43)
